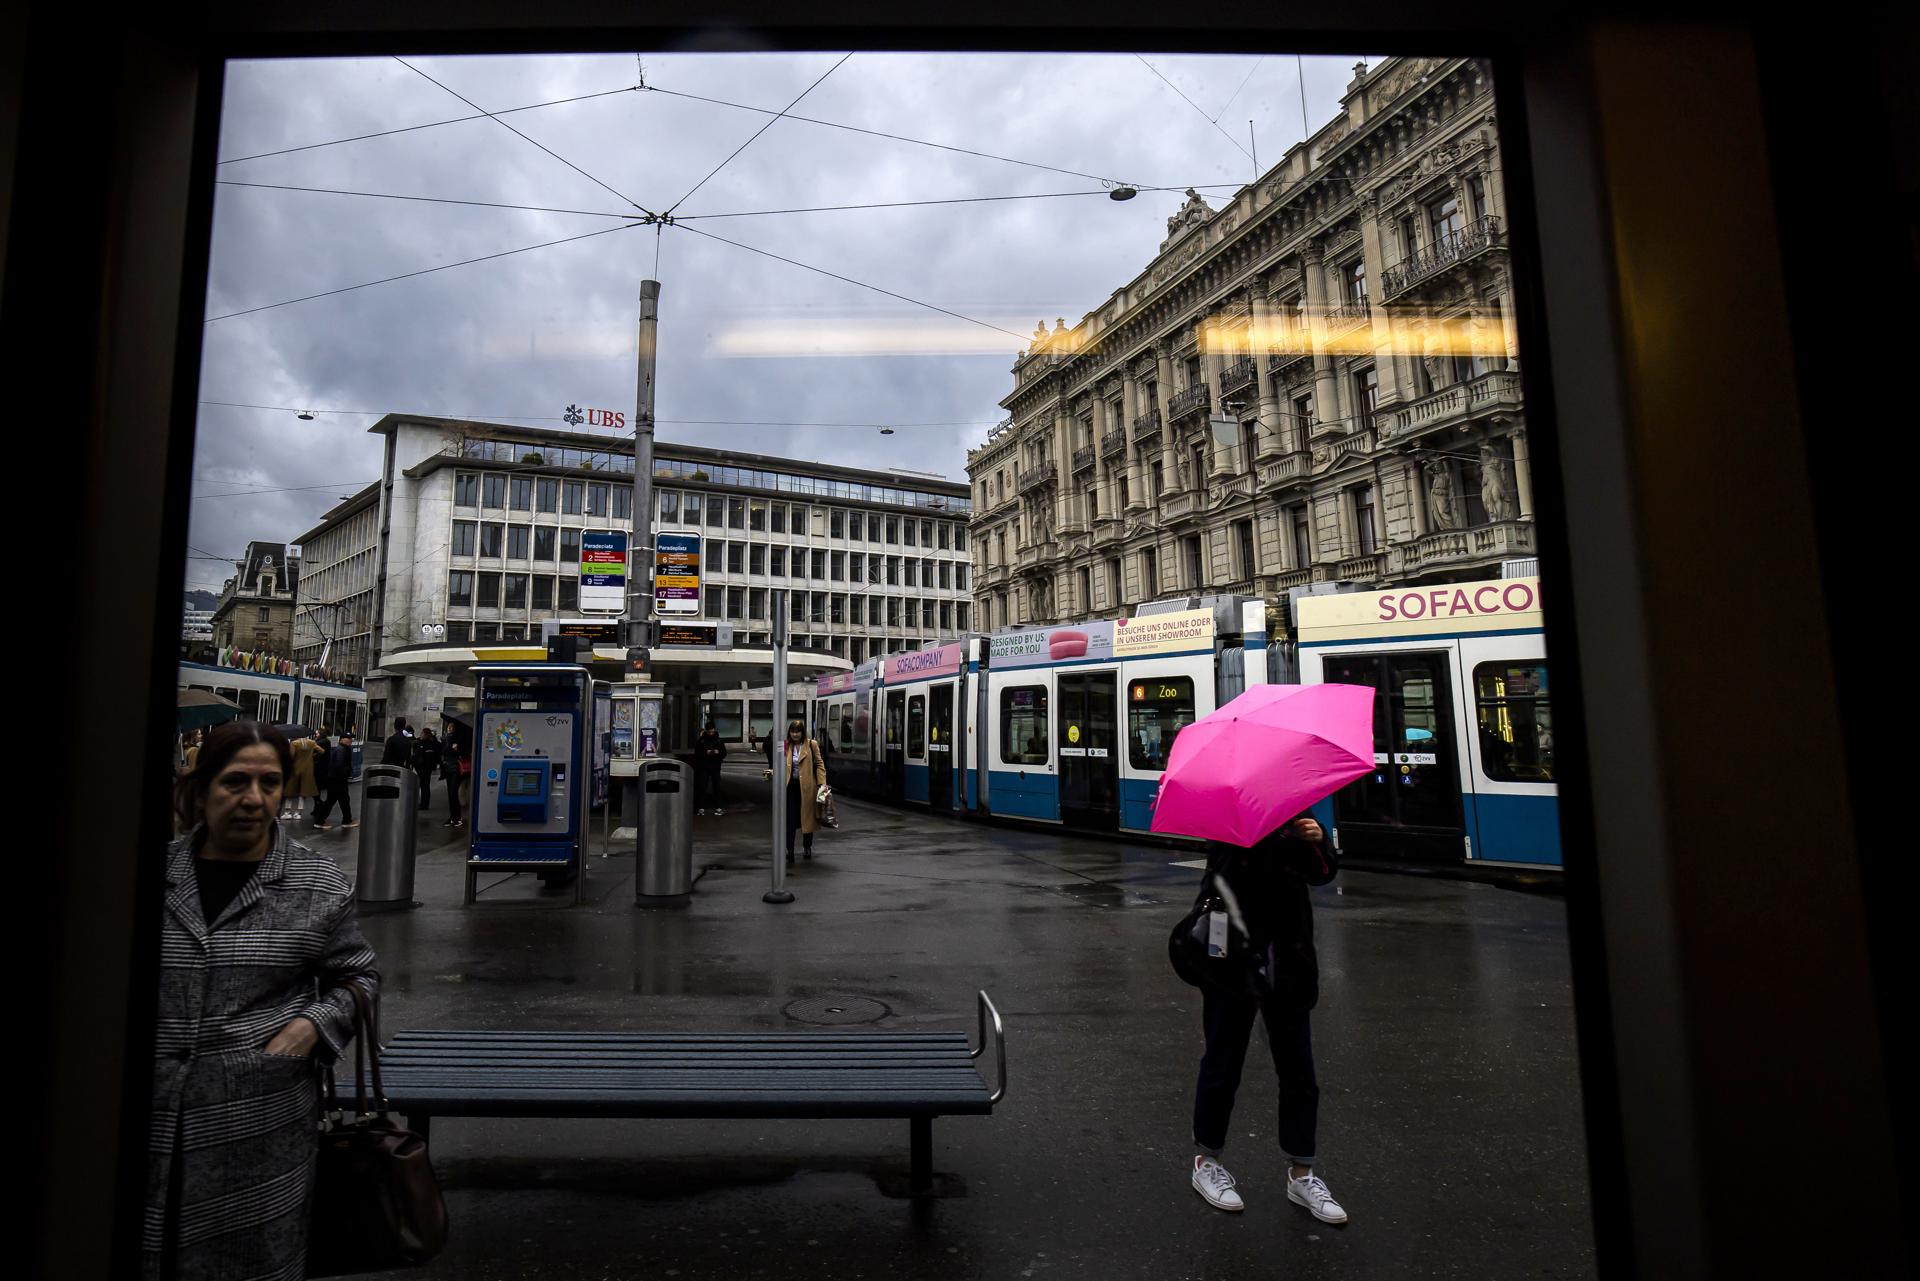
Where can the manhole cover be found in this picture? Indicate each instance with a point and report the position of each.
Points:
(837, 1009)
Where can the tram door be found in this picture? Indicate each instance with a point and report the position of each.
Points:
(1410, 806)
(940, 748)
(1089, 771)
(895, 782)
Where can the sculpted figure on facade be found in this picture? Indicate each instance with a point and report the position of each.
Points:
(1440, 511)
(1496, 483)
(1434, 354)
(1183, 467)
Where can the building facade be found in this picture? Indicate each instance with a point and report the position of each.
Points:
(1316, 383)
(476, 527)
(333, 621)
(255, 610)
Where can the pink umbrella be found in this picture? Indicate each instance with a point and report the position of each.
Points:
(1240, 772)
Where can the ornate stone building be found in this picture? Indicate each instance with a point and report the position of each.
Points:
(1317, 382)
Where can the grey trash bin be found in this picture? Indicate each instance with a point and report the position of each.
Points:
(390, 801)
(665, 854)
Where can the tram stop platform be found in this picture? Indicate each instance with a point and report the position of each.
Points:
(1450, 1122)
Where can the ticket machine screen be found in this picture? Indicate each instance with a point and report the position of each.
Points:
(525, 785)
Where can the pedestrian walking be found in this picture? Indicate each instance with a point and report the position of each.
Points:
(426, 763)
(399, 745)
(303, 788)
(1266, 888)
(454, 759)
(709, 750)
(339, 785)
(805, 774)
(259, 944)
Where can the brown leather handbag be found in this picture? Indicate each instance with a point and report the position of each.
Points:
(376, 1204)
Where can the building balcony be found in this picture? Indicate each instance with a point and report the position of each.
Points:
(1351, 316)
(1114, 442)
(1289, 579)
(1460, 547)
(993, 575)
(1032, 556)
(1146, 426)
(1038, 477)
(1356, 444)
(1184, 504)
(1288, 352)
(1083, 458)
(1287, 469)
(1496, 390)
(1361, 569)
(1238, 373)
(1454, 249)
(1196, 399)
(1107, 530)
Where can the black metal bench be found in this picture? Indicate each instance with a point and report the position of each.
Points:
(911, 1075)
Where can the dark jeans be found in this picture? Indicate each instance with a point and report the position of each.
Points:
(425, 778)
(793, 818)
(1229, 1024)
(453, 796)
(707, 787)
(337, 794)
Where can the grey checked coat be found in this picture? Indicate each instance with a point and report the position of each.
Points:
(233, 1137)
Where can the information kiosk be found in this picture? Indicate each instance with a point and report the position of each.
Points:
(533, 771)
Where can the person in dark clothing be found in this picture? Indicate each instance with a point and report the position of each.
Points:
(1268, 883)
(339, 782)
(426, 762)
(708, 751)
(399, 745)
(453, 759)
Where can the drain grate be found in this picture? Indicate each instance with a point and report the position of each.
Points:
(829, 1010)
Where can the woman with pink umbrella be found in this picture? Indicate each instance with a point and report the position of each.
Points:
(1242, 779)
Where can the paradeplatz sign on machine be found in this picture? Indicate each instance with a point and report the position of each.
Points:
(676, 574)
(603, 571)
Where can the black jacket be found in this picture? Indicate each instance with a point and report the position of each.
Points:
(399, 749)
(1270, 883)
(339, 765)
(708, 751)
(426, 756)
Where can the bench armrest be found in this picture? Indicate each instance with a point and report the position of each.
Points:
(999, 1047)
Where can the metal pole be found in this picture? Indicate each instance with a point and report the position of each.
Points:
(639, 587)
(778, 893)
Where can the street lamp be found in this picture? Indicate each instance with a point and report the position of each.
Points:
(305, 415)
(434, 631)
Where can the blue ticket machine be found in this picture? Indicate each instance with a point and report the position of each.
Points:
(532, 771)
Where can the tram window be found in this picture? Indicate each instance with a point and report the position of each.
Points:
(916, 726)
(1158, 708)
(862, 719)
(1516, 721)
(842, 718)
(1023, 725)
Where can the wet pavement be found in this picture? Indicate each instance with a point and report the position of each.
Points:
(1450, 1111)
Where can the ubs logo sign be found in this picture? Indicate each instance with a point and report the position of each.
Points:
(593, 417)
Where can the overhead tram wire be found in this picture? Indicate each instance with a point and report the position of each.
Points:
(895, 137)
(1196, 106)
(425, 271)
(510, 129)
(679, 422)
(762, 129)
(766, 253)
(431, 124)
(1236, 93)
(949, 200)
(435, 200)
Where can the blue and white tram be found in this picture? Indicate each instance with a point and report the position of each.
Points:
(1463, 725)
(265, 696)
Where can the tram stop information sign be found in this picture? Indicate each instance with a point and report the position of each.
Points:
(676, 574)
(603, 571)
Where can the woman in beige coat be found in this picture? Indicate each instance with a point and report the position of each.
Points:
(805, 773)
(303, 785)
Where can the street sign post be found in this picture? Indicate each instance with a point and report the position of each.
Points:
(603, 571)
(676, 574)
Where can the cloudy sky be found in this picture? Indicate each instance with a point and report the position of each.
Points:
(744, 339)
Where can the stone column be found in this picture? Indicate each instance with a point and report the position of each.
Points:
(1325, 405)
(1522, 475)
(1393, 384)
(1260, 337)
(1213, 360)
(1098, 478)
(1417, 498)
(1131, 407)
(1163, 355)
(1062, 463)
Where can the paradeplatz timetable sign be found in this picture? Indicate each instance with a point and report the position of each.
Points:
(603, 570)
(676, 574)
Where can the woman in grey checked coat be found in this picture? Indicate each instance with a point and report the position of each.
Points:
(258, 945)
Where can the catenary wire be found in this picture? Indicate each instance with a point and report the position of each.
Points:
(425, 271)
(435, 200)
(762, 129)
(431, 124)
(1236, 93)
(678, 422)
(1196, 106)
(510, 129)
(765, 253)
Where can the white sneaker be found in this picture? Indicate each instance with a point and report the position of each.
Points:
(700, 813)
(1313, 1194)
(1211, 1180)
(719, 813)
